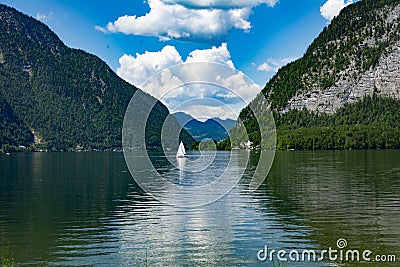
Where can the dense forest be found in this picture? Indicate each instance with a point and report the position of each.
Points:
(373, 123)
(56, 98)
(14, 133)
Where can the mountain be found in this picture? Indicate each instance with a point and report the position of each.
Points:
(347, 82)
(182, 118)
(214, 129)
(55, 98)
(227, 123)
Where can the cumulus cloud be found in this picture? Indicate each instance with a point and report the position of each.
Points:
(166, 87)
(172, 19)
(268, 67)
(332, 8)
(215, 54)
(44, 17)
(197, 79)
(273, 65)
(221, 3)
(136, 70)
(241, 86)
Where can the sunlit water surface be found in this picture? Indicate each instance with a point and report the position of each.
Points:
(84, 209)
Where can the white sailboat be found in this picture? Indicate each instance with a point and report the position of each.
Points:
(181, 151)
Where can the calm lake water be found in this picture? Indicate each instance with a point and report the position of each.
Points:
(84, 209)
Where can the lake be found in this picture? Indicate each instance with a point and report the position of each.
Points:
(84, 209)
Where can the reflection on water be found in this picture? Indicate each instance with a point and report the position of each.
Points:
(349, 194)
(181, 168)
(191, 186)
(84, 209)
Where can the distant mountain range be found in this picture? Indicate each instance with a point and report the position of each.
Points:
(215, 128)
(56, 98)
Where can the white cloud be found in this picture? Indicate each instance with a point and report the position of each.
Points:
(268, 67)
(240, 85)
(166, 87)
(273, 65)
(221, 3)
(100, 29)
(174, 20)
(44, 17)
(200, 113)
(197, 79)
(226, 95)
(215, 54)
(332, 8)
(136, 70)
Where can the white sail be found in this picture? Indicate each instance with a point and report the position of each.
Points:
(181, 151)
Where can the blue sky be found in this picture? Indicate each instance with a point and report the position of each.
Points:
(137, 38)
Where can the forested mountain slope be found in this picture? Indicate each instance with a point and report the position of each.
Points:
(57, 98)
(348, 77)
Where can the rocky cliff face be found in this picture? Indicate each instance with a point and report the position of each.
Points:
(383, 79)
(353, 82)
